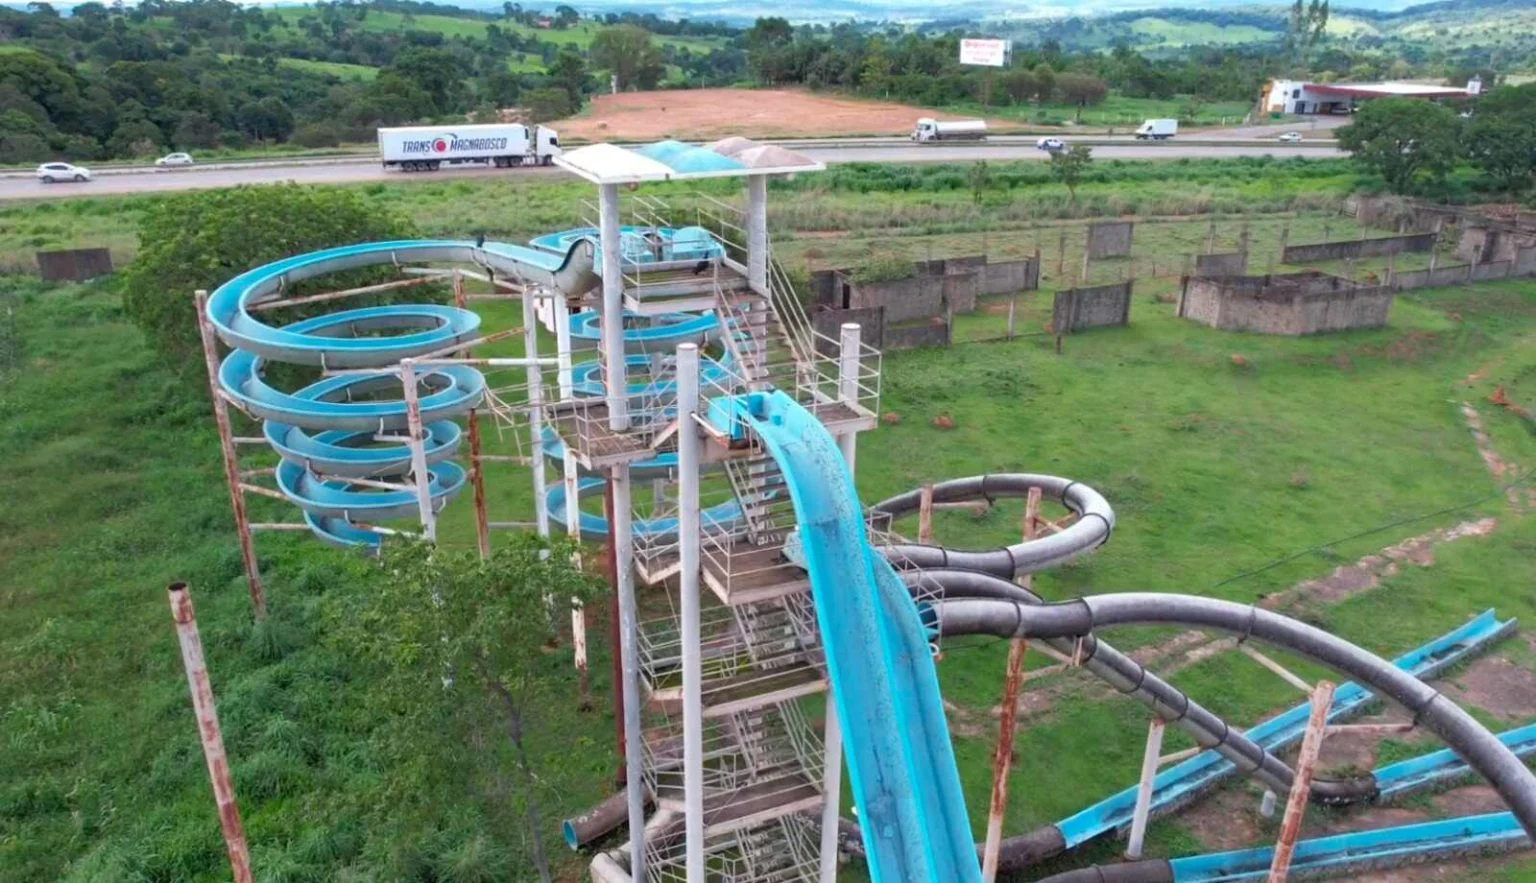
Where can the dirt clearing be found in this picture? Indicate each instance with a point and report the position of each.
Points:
(704, 114)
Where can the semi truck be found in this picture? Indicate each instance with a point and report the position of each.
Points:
(1157, 130)
(929, 129)
(503, 145)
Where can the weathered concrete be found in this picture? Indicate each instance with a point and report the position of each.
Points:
(1295, 303)
(823, 288)
(1007, 277)
(74, 265)
(828, 322)
(1494, 270)
(910, 335)
(1232, 263)
(1110, 239)
(1098, 306)
(960, 290)
(915, 297)
(1358, 248)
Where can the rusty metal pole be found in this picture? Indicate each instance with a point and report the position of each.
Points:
(1061, 255)
(1013, 684)
(1301, 785)
(231, 459)
(208, 730)
(477, 468)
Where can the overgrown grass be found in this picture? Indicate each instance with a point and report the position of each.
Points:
(115, 489)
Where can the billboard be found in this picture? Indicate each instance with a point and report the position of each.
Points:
(989, 53)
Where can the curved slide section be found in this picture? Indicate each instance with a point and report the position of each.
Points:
(901, 764)
(342, 427)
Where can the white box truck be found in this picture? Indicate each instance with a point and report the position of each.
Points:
(929, 129)
(1157, 130)
(503, 145)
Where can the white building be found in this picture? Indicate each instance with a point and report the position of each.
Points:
(1297, 96)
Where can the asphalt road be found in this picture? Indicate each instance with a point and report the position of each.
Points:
(149, 180)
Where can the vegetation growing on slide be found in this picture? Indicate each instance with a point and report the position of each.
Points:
(201, 239)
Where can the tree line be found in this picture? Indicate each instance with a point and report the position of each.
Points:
(118, 81)
(1414, 145)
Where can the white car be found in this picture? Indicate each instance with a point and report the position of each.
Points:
(1050, 144)
(1290, 138)
(174, 159)
(61, 171)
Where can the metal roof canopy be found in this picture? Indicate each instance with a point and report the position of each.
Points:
(676, 161)
(1387, 90)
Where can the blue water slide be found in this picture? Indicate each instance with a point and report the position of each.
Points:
(339, 426)
(1470, 835)
(664, 333)
(1443, 766)
(1183, 782)
(902, 772)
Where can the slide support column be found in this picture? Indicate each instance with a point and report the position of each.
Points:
(688, 556)
(613, 307)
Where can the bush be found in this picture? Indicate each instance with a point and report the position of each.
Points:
(202, 239)
(318, 135)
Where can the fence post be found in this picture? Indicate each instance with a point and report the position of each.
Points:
(1301, 784)
(208, 730)
(925, 516)
(1061, 254)
(1143, 810)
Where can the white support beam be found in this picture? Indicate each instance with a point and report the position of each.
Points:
(613, 307)
(688, 455)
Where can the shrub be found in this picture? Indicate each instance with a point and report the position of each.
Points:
(323, 134)
(202, 239)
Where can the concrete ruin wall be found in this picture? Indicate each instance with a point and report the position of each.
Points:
(74, 265)
(1007, 277)
(960, 290)
(823, 288)
(1096, 307)
(1485, 245)
(910, 335)
(1358, 248)
(1494, 270)
(1110, 239)
(1294, 304)
(829, 324)
(916, 297)
(1234, 263)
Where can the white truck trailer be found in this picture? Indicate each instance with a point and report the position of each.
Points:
(929, 129)
(503, 145)
(1157, 130)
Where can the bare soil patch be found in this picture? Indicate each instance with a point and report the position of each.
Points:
(1497, 686)
(704, 114)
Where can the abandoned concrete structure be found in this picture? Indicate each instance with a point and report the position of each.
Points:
(1292, 303)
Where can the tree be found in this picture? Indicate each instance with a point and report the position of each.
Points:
(569, 72)
(195, 129)
(1305, 25)
(979, 178)
(1045, 82)
(1402, 139)
(136, 137)
(440, 614)
(1020, 85)
(547, 104)
(1501, 138)
(1081, 90)
(267, 119)
(565, 17)
(1070, 165)
(202, 239)
(435, 71)
(628, 52)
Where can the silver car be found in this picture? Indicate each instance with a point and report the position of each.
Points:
(174, 159)
(49, 172)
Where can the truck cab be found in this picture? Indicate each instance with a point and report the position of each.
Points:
(927, 129)
(546, 145)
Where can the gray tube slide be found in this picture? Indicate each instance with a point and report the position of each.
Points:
(1132, 679)
(1480, 748)
(1095, 522)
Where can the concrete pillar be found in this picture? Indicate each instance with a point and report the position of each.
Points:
(688, 555)
(757, 233)
(622, 539)
(614, 375)
(535, 377)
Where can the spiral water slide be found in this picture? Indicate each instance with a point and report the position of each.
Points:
(348, 426)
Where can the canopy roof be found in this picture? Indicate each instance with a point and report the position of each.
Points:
(677, 161)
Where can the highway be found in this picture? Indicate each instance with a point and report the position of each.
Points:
(147, 179)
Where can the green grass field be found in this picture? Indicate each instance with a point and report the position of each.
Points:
(1214, 468)
(450, 26)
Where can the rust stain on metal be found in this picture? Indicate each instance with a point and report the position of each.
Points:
(231, 459)
(208, 731)
(1301, 785)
